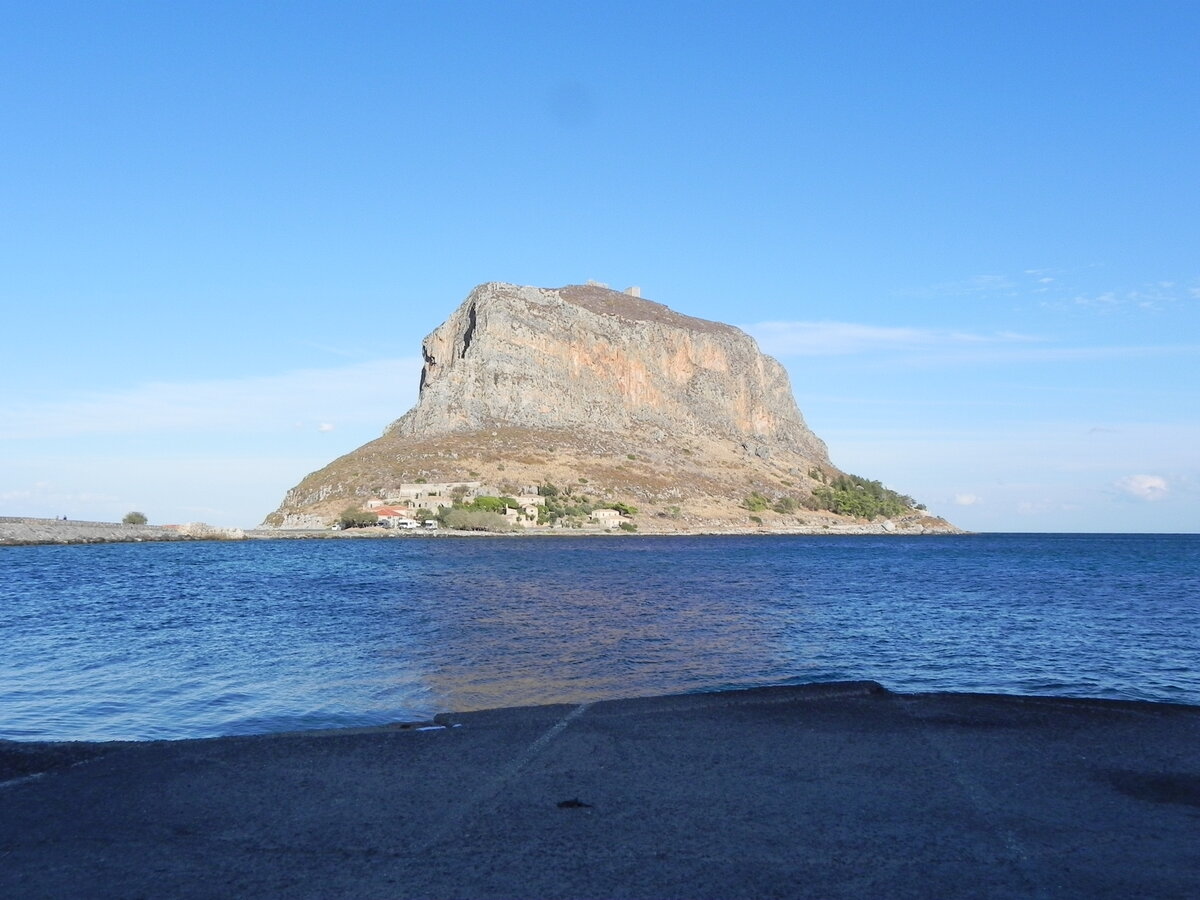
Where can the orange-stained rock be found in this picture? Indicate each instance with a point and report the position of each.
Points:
(588, 357)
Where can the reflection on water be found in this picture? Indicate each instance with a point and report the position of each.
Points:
(568, 639)
(141, 641)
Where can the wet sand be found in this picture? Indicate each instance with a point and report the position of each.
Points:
(813, 791)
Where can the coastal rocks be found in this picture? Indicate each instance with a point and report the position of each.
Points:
(22, 531)
(204, 531)
(16, 531)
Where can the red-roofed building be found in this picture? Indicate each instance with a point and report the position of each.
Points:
(395, 516)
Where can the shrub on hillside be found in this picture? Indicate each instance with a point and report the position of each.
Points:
(785, 505)
(493, 504)
(353, 517)
(851, 495)
(756, 502)
(465, 519)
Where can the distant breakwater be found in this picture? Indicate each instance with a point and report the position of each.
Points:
(25, 530)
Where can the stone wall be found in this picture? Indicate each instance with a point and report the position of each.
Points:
(18, 530)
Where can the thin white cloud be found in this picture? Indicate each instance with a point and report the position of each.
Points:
(848, 338)
(1046, 466)
(1105, 300)
(1063, 289)
(377, 391)
(1156, 296)
(1144, 487)
(1015, 354)
(965, 499)
(975, 285)
(932, 346)
(325, 427)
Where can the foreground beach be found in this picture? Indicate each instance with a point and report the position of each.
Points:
(843, 790)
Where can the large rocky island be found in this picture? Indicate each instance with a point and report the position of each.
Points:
(584, 407)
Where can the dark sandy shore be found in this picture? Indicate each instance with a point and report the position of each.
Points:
(824, 791)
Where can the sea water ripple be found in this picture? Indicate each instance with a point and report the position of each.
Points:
(148, 641)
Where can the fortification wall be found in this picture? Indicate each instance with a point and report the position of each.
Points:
(16, 530)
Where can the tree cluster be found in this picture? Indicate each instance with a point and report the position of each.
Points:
(846, 495)
(464, 518)
(851, 495)
(481, 514)
(353, 517)
(573, 509)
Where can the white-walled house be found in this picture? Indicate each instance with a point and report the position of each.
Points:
(609, 518)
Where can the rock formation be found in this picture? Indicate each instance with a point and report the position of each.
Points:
(585, 357)
(601, 391)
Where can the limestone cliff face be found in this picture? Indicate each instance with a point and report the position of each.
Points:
(585, 357)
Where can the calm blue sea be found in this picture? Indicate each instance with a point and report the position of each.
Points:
(136, 641)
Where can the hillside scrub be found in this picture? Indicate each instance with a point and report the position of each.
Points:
(464, 518)
(353, 517)
(755, 502)
(851, 495)
(481, 514)
(564, 504)
(491, 504)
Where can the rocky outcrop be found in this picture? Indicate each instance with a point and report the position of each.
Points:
(592, 358)
(609, 397)
(204, 531)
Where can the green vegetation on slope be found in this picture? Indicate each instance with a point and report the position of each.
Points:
(481, 514)
(571, 509)
(463, 518)
(845, 495)
(852, 495)
(353, 517)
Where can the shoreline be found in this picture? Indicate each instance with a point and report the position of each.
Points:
(841, 790)
(816, 690)
(31, 531)
(24, 531)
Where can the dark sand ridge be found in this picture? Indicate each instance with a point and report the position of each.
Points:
(841, 790)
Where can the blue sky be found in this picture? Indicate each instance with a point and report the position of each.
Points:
(968, 230)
